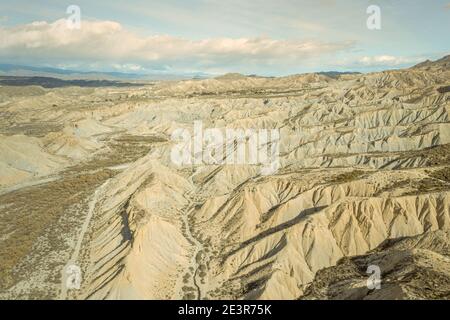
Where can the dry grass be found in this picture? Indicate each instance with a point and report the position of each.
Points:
(347, 176)
(123, 149)
(26, 213)
(441, 174)
(438, 181)
(435, 156)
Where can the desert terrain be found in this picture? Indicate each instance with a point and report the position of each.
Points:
(86, 179)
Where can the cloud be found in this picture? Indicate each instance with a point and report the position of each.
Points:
(387, 60)
(127, 67)
(109, 42)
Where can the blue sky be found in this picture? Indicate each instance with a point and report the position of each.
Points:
(261, 37)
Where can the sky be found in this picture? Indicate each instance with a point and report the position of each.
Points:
(264, 37)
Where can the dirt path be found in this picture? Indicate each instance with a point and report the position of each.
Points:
(74, 257)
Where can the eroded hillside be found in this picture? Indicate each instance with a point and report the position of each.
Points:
(87, 179)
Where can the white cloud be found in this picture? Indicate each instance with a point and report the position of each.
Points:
(386, 60)
(109, 42)
(127, 67)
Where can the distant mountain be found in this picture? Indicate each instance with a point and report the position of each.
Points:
(336, 74)
(239, 76)
(66, 74)
(231, 76)
(439, 63)
(48, 82)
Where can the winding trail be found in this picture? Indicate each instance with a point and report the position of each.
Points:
(76, 252)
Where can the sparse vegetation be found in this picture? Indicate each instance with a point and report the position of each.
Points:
(30, 210)
(347, 176)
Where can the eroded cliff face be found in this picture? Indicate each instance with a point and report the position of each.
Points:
(413, 268)
(362, 159)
